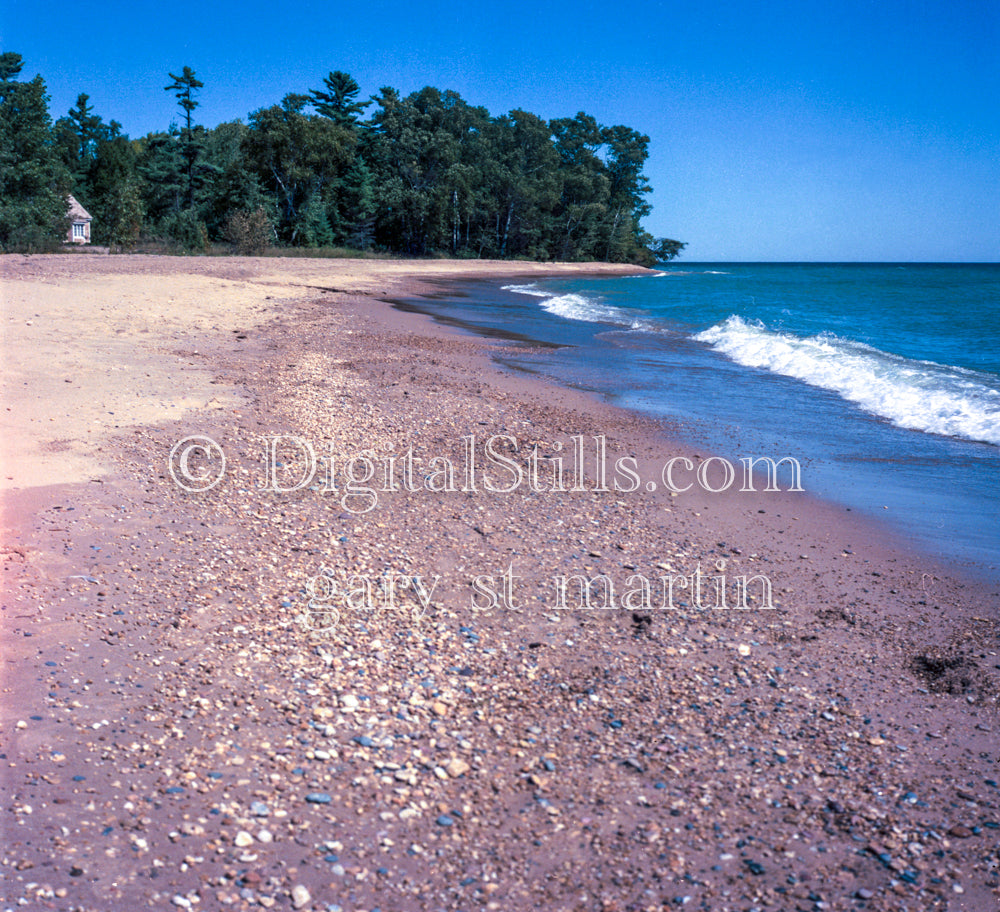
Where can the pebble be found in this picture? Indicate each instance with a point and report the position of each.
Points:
(453, 707)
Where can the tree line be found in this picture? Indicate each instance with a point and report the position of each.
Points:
(426, 174)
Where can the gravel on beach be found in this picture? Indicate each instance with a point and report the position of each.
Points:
(197, 714)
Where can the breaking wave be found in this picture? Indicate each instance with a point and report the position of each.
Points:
(920, 395)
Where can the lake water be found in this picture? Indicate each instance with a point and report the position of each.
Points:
(883, 380)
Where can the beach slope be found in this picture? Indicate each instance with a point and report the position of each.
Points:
(412, 648)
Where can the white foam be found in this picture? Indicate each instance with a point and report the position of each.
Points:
(532, 290)
(579, 307)
(582, 308)
(920, 395)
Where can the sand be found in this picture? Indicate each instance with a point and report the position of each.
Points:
(195, 713)
(93, 344)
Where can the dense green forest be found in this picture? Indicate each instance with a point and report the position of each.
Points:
(428, 174)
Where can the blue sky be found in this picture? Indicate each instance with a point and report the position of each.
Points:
(848, 130)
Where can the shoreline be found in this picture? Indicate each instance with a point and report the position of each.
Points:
(598, 740)
(892, 537)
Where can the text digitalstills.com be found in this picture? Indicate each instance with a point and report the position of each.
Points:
(497, 464)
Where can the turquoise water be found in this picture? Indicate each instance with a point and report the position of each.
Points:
(883, 380)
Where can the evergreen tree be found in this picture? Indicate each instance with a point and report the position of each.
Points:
(664, 249)
(339, 102)
(33, 180)
(161, 172)
(356, 206)
(116, 201)
(231, 184)
(87, 126)
(351, 206)
(184, 87)
(78, 137)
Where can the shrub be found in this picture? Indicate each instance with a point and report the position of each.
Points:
(187, 231)
(250, 232)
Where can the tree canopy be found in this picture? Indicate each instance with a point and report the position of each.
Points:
(425, 174)
(33, 179)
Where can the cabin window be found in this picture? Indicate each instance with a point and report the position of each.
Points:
(78, 232)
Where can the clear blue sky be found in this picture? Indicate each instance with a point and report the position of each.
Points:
(799, 130)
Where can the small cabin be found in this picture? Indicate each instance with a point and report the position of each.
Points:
(80, 219)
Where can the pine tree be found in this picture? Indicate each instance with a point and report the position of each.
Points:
(161, 170)
(338, 102)
(116, 201)
(33, 180)
(184, 87)
(87, 126)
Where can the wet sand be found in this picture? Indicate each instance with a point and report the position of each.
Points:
(180, 727)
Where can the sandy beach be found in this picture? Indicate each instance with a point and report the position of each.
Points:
(312, 686)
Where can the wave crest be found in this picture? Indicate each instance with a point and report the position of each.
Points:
(531, 289)
(920, 395)
(580, 307)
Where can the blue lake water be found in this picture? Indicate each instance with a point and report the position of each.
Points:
(883, 380)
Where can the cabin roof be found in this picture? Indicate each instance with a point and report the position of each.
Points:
(76, 212)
